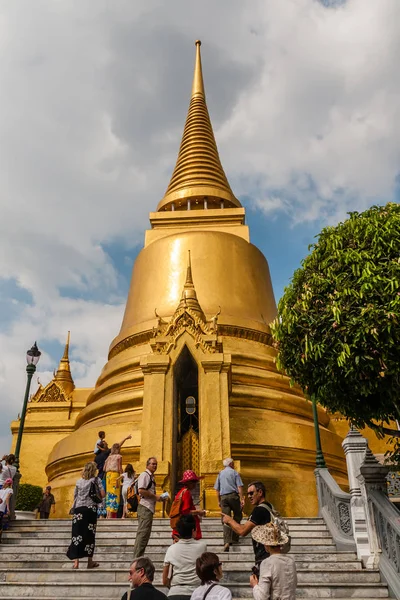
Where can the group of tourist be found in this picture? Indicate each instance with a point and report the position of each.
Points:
(109, 465)
(189, 571)
(7, 474)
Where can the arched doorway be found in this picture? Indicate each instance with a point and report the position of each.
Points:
(186, 417)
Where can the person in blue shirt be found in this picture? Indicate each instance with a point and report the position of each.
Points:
(229, 487)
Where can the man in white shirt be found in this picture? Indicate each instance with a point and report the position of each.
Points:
(179, 571)
(146, 507)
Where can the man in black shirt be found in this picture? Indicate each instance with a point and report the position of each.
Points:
(141, 575)
(259, 516)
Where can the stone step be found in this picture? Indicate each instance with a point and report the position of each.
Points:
(106, 549)
(111, 538)
(42, 562)
(10, 536)
(232, 574)
(125, 557)
(130, 527)
(61, 590)
(300, 520)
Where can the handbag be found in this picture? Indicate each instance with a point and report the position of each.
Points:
(175, 512)
(94, 493)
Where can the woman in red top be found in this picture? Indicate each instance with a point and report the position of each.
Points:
(187, 507)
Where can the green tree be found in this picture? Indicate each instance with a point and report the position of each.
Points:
(338, 325)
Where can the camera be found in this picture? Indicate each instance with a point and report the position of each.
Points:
(256, 571)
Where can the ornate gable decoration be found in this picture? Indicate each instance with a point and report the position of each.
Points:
(189, 318)
(53, 392)
(62, 385)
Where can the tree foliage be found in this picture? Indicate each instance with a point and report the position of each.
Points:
(338, 325)
(28, 496)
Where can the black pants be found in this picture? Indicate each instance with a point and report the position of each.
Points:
(44, 515)
(230, 503)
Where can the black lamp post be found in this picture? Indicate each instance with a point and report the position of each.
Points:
(32, 359)
(320, 459)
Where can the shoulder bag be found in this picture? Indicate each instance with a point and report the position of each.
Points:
(282, 525)
(94, 492)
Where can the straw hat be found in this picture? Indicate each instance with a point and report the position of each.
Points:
(269, 535)
(189, 476)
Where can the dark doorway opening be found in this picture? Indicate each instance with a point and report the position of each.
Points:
(186, 404)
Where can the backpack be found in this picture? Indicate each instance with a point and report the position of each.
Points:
(132, 494)
(175, 512)
(282, 525)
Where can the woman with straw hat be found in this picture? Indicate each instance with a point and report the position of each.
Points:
(278, 579)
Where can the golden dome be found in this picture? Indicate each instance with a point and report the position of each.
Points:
(228, 272)
(198, 171)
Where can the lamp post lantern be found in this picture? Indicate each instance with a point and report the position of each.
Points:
(319, 458)
(32, 359)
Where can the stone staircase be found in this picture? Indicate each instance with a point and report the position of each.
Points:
(33, 562)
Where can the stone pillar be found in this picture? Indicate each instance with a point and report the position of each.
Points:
(355, 447)
(215, 443)
(372, 477)
(153, 439)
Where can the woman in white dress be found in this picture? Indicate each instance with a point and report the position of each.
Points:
(127, 478)
(209, 571)
(278, 579)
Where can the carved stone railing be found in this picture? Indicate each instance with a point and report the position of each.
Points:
(387, 524)
(384, 521)
(334, 508)
(393, 486)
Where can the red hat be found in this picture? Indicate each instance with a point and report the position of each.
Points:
(190, 476)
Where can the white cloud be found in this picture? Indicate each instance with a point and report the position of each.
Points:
(326, 104)
(305, 102)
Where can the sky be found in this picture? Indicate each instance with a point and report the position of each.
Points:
(304, 97)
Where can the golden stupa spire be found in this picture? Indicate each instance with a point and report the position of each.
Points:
(189, 296)
(198, 173)
(63, 373)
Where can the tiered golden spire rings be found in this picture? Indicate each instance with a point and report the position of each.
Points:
(198, 172)
(63, 374)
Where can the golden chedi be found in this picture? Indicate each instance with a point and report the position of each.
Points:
(192, 372)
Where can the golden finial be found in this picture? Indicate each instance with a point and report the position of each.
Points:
(189, 278)
(66, 349)
(198, 171)
(198, 84)
(63, 374)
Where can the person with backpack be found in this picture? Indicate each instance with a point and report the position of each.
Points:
(261, 515)
(183, 504)
(147, 505)
(277, 578)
